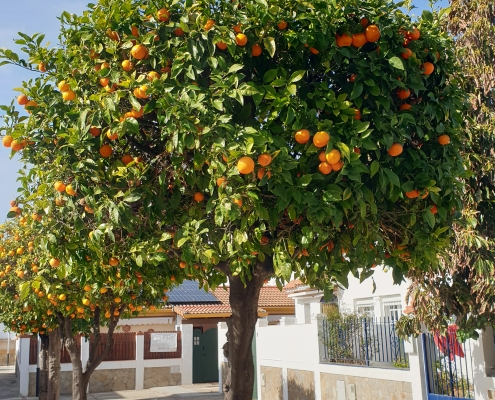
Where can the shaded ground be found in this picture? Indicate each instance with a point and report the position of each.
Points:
(9, 388)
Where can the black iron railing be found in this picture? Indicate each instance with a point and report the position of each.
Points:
(371, 342)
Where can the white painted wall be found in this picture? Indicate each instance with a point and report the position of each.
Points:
(5, 335)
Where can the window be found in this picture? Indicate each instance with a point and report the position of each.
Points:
(392, 309)
(196, 341)
(307, 313)
(365, 309)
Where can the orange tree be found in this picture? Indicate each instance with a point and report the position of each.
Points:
(59, 297)
(238, 141)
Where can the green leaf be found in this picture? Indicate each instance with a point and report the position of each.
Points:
(396, 62)
(182, 241)
(392, 176)
(356, 90)
(375, 166)
(24, 289)
(305, 180)
(297, 76)
(139, 260)
(270, 46)
(235, 67)
(132, 198)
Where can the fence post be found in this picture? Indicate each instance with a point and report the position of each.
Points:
(139, 361)
(321, 337)
(367, 360)
(187, 353)
(84, 351)
(24, 345)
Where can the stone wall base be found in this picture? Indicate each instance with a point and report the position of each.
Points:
(301, 384)
(161, 376)
(272, 389)
(111, 380)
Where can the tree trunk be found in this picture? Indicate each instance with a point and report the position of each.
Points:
(54, 347)
(43, 368)
(241, 327)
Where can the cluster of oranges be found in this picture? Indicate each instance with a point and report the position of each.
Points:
(371, 34)
(67, 93)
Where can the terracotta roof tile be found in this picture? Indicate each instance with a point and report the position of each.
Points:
(270, 296)
(206, 309)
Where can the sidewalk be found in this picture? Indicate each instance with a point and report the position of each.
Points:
(9, 390)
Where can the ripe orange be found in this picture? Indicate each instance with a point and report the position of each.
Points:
(264, 159)
(106, 151)
(337, 166)
(209, 24)
(7, 140)
(302, 136)
(237, 28)
(30, 103)
(113, 261)
(16, 145)
(344, 40)
(434, 209)
(113, 35)
(395, 150)
(152, 75)
(444, 139)
(163, 15)
(93, 55)
(139, 51)
(325, 168)
(62, 297)
(357, 114)
(405, 107)
(261, 173)
(245, 165)
(241, 39)
(127, 65)
(69, 95)
(126, 159)
(42, 67)
(412, 194)
(314, 51)
(112, 136)
(403, 93)
(238, 202)
(264, 240)
(182, 264)
(427, 68)
(59, 186)
(134, 31)
(221, 181)
(179, 31)
(359, 39)
(282, 25)
(256, 50)
(414, 35)
(94, 131)
(63, 86)
(352, 78)
(322, 157)
(22, 99)
(320, 139)
(70, 190)
(221, 45)
(54, 262)
(406, 53)
(333, 157)
(372, 33)
(199, 197)
(104, 81)
(364, 22)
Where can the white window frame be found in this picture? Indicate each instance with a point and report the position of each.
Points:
(392, 309)
(365, 307)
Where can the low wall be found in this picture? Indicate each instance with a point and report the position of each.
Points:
(111, 380)
(162, 376)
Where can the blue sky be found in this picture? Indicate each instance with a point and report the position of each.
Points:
(42, 17)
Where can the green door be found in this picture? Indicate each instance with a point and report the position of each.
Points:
(205, 356)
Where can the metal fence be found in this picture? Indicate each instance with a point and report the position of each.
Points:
(371, 342)
(448, 366)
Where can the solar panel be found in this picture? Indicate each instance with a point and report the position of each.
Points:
(189, 292)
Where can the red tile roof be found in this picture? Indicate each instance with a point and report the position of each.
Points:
(270, 296)
(206, 309)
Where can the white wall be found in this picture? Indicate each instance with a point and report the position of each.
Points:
(385, 291)
(5, 335)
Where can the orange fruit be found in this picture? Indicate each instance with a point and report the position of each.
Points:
(152, 75)
(113, 261)
(405, 107)
(127, 65)
(139, 51)
(182, 264)
(434, 209)
(104, 81)
(325, 168)
(209, 24)
(179, 31)
(395, 150)
(264, 159)
(302, 136)
(137, 114)
(70, 190)
(238, 202)
(412, 194)
(237, 28)
(427, 68)
(357, 114)
(414, 35)
(199, 197)
(322, 157)
(256, 50)
(314, 51)
(221, 181)
(106, 151)
(69, 95)
(241, 39)
(30, 103)
(320, 139)
(113, 35)
(364, 22)
(261, 173)
(264, 240)
(344, 40)
(42, 67)
(59, 186)
(403, 93)
(444, 139)
(16, 145)
(112, 136)
(163, 15)
(134, 31)
(282, 25)
(93, 55)
(63, 86)
(337, 166)
(245, 165)
(221, 45)
(359, 39)
(333, 157)
(7, 140)
(352, 78)
(22, 99)
(54, 262)
(94, 131)
(372, 33)
(406, 53)
(126, 159)
(62, 297)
